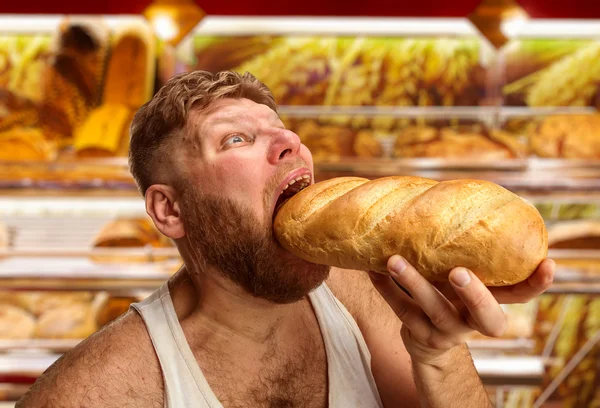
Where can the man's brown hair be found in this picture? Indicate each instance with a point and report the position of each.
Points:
(157, 122)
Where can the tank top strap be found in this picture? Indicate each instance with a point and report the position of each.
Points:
(185, 385)
(351, 381)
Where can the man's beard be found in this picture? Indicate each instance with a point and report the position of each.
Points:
(230, 238)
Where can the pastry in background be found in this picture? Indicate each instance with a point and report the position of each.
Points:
(326, 142)
(578, 234)
(567, 136)
(367, 145)
(106, 130)
(129, 233)
(25, 144)
(71, 86)
(38, 303)
(75, 320)
(216, 54)
(115, 307)
(447, 143)
(15, 323)
(131, 67)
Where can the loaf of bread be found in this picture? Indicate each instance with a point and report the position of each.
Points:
(355, 223)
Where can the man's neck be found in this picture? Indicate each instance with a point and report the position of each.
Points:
(208, 303)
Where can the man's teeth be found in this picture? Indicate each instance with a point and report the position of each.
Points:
(304, 181)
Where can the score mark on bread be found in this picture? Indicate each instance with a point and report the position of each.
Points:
(355, 223)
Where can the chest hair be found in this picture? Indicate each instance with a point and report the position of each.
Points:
(284, 376)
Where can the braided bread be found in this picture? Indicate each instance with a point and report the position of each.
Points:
(355, 223)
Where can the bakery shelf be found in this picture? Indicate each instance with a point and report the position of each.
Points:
(38, 345)
(514, 175)
(487, 114)
(431, 112)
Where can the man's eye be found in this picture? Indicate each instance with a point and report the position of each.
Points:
(235, 139)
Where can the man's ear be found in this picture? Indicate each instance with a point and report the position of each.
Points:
(163, 207)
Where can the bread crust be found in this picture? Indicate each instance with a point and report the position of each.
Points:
(355, 223)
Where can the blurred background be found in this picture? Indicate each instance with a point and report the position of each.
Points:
(501, 90)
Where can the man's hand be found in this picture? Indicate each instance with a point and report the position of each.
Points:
(437, 319)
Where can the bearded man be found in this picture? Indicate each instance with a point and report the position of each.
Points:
(245, 323)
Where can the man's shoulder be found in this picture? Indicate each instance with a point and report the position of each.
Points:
(358, 295)
(115, 367)
(353, 289)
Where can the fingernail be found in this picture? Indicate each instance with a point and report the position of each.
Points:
(461, 277)
(397, 264)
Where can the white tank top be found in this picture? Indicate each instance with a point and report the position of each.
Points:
(351, 382)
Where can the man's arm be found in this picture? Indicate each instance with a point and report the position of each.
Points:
(445, 378)
(116, 367)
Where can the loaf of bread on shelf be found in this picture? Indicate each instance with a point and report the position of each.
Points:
(72, 80)
(367, 145)
(75, 320)
(567, 136)
(577, 234)
(131, 67)
(38, 303)
(114, 307)
(129, 233)
(355, 223)
(15, 322)
(25, 144)
(326, 142)
(429, 142)
(105, 132)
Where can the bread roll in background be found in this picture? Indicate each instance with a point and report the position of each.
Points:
(355, 223)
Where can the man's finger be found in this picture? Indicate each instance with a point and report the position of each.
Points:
(534, 286)
(485, 311)
(441, 312)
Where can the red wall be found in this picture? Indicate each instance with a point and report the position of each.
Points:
(409, 8)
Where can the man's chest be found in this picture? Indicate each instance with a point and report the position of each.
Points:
(284, 375)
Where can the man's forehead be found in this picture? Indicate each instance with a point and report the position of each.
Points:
(232, 110)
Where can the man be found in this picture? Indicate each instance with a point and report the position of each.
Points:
(245, 323)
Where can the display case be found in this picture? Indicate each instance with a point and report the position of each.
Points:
(369, 97)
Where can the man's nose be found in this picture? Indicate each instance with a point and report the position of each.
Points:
(284, 144)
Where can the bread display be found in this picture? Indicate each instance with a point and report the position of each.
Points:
(429, 142)
(57, 315)
(577, 318)
(126, 232)
(114, 307)
(15, 323)
(25, 144)
(72, 80)
(129, 233)
(132, 51)
(106, 130)
(367, 145)
(74, 321)
(362, 71)
(567, 136)
(577, 234)
(354, 223)
(326, 142)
